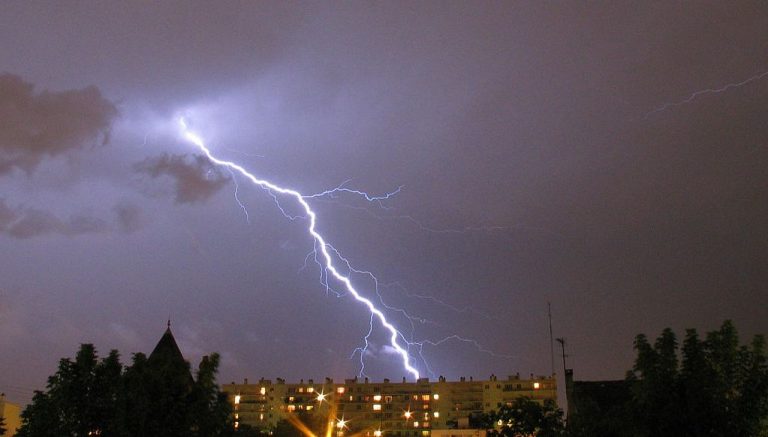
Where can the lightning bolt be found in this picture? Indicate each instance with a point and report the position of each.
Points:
(696, 94)
(417, 345)
(321, 246)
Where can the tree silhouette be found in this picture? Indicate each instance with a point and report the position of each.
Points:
(152, 397)
(706, 388)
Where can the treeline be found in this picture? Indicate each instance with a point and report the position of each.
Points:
(151, 397)
(711, 387)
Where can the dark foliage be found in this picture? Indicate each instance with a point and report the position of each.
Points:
(148, 398)
(525, 417)
(706, 388)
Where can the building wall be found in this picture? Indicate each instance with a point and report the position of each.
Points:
(458, 433)
(394, 408)
(12, 414)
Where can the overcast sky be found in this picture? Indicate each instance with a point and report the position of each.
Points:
(592, 156)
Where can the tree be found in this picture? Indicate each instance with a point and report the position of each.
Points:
(719, 387)
(706, 388)
(81, 398)
(3, 429)
(654, 379)
(525, 417)
(155, 396)
(212, 413)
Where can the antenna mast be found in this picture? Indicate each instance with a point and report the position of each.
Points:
(562, 344)
(551, 339)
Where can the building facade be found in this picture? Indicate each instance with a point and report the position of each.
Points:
(399, 408)
(11, 413)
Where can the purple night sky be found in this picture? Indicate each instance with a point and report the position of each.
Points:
(541, 151)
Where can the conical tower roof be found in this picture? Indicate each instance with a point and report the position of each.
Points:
(167, 350)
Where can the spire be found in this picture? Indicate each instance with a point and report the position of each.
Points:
(166, 348)
(167, 359)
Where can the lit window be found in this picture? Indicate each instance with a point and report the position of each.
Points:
(436, 396)
(237, 399)
(415, 424)
(263, 390)
(237, 416)
(376, 407)
(301, 389)
(261, 416)
(309, 407)
(236, 425)
(436, 414)
(377, 398)
(340, 390)
(291, 407)
(291, 399)
(536, 385)
(310, 389)
(351, 398)
(424, 397)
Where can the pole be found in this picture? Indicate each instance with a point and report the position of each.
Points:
(562, 343)
(551, 339)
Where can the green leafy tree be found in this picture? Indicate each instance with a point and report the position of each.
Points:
(718, 388)
(525, 417)
(211, 411)
(81, 398)
(654, 379)
(705, 388)
(154, 396)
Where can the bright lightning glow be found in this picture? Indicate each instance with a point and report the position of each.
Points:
(319, 241)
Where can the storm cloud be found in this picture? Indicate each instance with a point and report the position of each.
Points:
(36, 125)
(21, 222)
(195, 179)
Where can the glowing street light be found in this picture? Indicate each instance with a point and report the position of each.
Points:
(341, 423)
(320, 397)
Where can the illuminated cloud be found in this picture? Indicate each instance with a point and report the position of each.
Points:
(129, 217)
(23, 223)
(195, 178)
(36, 125)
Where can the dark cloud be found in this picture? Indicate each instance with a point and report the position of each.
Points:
(33, 126)
(129, 217)
(195, 178)
(31, 222)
